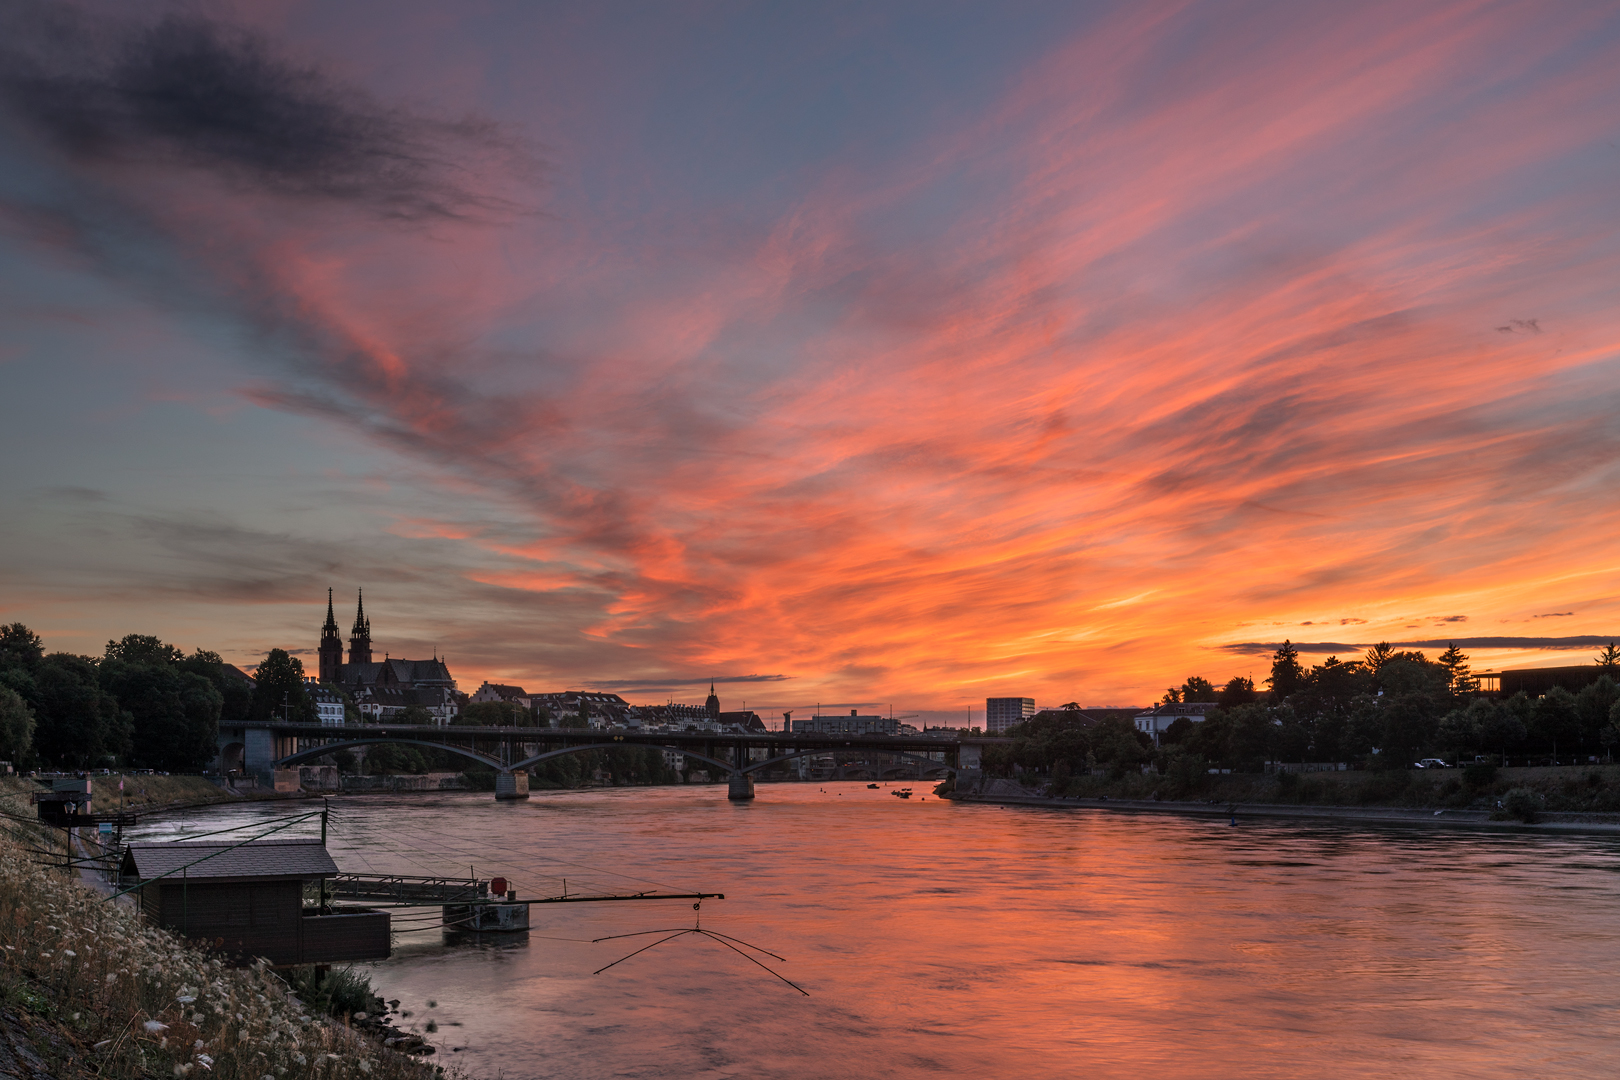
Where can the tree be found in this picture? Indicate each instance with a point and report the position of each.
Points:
(1592, 706)
(143, 649)
(20, 646)
(280, 690)
(1608, 659)
(79, 723)
(1460, 678)
(1378, 655)
(1287, 674)
(1172, 696)
(414, 714)
(1501, 727)
(496, 714)
(1198, 688)
(175, 713)
(1237, 691)
(16, 725)
(235, 692)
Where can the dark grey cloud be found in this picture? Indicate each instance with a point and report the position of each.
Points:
(678, 683)
(1585, 641)
(193, 92)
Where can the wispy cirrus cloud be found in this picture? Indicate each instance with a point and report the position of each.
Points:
(1203, 309)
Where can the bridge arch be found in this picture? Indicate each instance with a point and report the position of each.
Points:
(332, 748)
(758, 765)
(724, 767)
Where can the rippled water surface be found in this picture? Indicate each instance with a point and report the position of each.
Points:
(942, 939)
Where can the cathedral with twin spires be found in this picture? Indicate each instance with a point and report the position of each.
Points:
(383, 688)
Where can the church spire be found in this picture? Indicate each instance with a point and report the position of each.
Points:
(331, 650)
(360, 636)
(712, 706)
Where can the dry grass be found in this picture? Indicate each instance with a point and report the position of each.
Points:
(134, 1001)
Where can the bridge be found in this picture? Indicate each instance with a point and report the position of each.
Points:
(261, 748)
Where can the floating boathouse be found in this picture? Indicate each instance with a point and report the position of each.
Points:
(247, 900)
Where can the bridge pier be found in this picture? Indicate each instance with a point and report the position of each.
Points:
(741, 787)
(511, 785)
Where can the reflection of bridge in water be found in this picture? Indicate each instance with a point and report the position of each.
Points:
(262, 748)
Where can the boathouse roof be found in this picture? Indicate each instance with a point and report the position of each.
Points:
(228, 860)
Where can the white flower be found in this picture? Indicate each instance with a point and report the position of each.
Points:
(69, 952)
(205, 1061)
(154, 1026)
(112, 977)
(365, 1065)
(185, 999)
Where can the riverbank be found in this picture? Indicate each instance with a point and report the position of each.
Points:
(1010, 793)
(87, 989)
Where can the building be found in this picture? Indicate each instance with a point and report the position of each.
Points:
(1535, 682)
(383, 689)
(247, 900)
(599, 710)
(1001, 713)
(500, 692)
(838, 724)
(1154, 721)
(327, 701)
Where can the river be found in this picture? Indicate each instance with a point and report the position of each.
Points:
(944, 939)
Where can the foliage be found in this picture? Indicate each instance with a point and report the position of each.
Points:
(1523, 803)
(1287, 674)
(142, 649)
(16, 725)
(1072, 738)
(175, 713)
(386, 758)
(1608, 659)
(496, 714)
(340, 992)
(414, 714)
(1459, 676)
(1237, 691)
(280, 689)
(19, 646)
(80, 724)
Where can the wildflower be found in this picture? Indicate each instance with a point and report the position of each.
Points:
(112, 977)
(365, 1065)
(181, 1070)
(205, 1061)
(154, 1026)
(69, 952)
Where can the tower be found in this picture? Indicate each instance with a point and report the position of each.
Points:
(712, 706)
(331, 646)
(360, 636)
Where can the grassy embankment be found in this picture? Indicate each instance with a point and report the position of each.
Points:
(1570, 789)
(87, 989)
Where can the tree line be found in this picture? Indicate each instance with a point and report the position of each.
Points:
(1384, 710)
(142, 703)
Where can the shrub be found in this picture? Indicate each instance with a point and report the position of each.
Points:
(1522, 803)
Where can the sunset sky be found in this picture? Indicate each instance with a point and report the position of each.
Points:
(866, 355)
